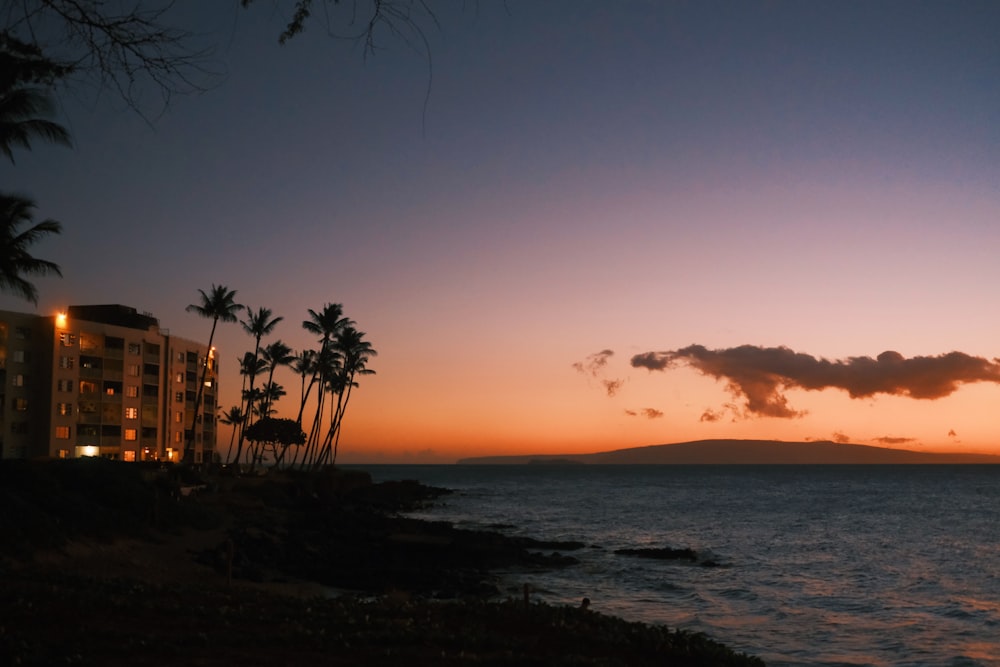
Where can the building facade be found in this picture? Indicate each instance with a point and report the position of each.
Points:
(106, 381)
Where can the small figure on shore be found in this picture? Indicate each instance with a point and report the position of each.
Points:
(585, 604)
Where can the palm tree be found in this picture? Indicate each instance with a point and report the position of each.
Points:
(325, 324)
(24, 104)
(258, 324)
(250, 367)
(355, 352)
(274, 355)
(217, 304)
(233, 417)
(15, 259)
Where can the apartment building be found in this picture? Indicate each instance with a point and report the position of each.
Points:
(103, 380)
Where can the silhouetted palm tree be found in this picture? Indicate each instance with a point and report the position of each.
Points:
(217, 304)
(257, 324)
(355, 352)
(232, 417)
(249, 368)
(274, 355)
(325, 324)
(15, 259)
(24, 102)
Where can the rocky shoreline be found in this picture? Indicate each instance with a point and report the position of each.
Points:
(113, 564)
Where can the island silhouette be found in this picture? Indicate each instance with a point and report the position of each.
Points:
(745, 452)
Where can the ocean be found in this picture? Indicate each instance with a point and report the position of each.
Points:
(816, 565)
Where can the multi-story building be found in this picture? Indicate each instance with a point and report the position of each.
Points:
(103, 381)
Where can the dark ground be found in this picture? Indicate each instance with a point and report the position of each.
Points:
(108, 563)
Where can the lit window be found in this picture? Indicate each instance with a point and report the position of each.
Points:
(179, 397)
(64, 409)
(177, 436)
(131, 434)
(62, 433)
(110, 391)
(21, 404)
(180, 377)
(64, 453)
(66, 362)
(18, 380)
(133, 370)
(67, 339)
(128, 455)
(178, 417)
(132, 391)
(134, 348)
(88, 387)
(131, 413)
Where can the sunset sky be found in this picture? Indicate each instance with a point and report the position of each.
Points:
(611, 225)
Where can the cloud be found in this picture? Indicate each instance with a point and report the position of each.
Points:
(594, 363)
(841, 438)
(710, 415)
(760, 375)
(648, 413)
(612, 386)
(889, 440)
(594, 366)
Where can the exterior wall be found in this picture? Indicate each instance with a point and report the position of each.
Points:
(25, 368)
(106, 382)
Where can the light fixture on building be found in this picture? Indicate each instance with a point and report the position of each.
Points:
(61, 320)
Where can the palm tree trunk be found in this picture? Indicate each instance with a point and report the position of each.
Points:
(189, 442)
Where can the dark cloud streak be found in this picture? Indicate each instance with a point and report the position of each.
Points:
(760, 375)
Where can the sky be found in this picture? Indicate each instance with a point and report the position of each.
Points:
(580, 225)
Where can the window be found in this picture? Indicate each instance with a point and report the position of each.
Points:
(19, 380)
(150, 390)
(179, 397)
(21, 404)
(114, 343)
(90, 342)
(132, 391)
(178, 417)
(87, 361)
(88, 387)
(64, 385)
(62, 432)
(20, 356)
(153, 349)
(180, 377)
(64, 453)
(180, 357)
(67, 362)
(134, 348)
(128, 454)
(133, 370)
(22, 333)
(64, 409)
(131, 434)
(177, 436)
(131, 413)
(67, 339)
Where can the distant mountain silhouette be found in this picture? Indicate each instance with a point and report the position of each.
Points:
(747, 452)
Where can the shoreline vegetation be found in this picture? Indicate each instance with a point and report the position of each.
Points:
(108, 563)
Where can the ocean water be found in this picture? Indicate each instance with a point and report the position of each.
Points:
(819, 565)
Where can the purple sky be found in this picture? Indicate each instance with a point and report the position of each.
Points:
(636, 176)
